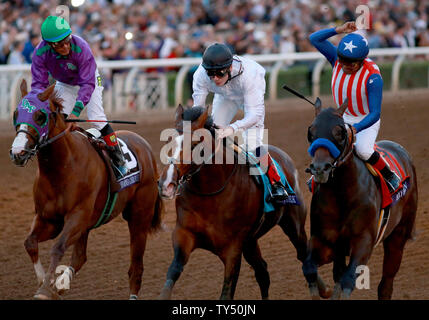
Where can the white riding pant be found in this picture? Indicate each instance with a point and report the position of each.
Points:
(224, 110)
(94, 108)
(365, 141)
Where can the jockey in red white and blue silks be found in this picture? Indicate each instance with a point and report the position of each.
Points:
(357, 78)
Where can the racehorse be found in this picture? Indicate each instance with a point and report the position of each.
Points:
(346, 207)
(219, 208)
(71, 189)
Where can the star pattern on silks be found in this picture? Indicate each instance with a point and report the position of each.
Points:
(366, 41)
(349, 46)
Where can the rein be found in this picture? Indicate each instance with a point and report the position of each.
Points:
(186, 178)
(54, 138)
(347, 152)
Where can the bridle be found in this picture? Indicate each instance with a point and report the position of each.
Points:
(184, 180)
(347, 151)
(343, 156)
(43, 143)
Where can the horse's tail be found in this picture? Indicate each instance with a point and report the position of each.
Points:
(157, 214)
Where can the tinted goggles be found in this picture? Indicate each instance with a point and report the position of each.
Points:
(61, 43)
(216, 72)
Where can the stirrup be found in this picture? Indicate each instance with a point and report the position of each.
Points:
(278, 186)
(393, 182)
(123, 170)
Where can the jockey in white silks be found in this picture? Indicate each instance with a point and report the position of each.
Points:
(237, 83)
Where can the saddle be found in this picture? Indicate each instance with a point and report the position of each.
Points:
(262, 181)
(116, 182)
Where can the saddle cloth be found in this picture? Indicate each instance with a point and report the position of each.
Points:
(263, 181)
(117, 181)
(388, 199)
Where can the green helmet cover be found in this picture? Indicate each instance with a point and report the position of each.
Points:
(55, 29)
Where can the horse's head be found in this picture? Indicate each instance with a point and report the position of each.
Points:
(194, 132)
(329, 142)
(31, 120)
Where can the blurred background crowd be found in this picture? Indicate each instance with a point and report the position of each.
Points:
(126, 29)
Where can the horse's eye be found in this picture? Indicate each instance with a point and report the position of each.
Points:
(40, 118)
(15, 117)
(339, 133)
(310, 134)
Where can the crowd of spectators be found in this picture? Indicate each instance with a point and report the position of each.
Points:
(125, 29)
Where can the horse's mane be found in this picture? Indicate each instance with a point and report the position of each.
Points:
(57, 101)
(194, 113)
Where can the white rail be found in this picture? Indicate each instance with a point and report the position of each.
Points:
(10, 74)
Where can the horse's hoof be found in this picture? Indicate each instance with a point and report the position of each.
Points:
(326, 293)
(46, 294)
(314, 292)
(345, 294)
(40, 296)
(133, 297)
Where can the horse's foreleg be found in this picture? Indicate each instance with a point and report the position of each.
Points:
(317, 254)
(183, 244)
(361, 249)
(338, 270)
(231, 257)
(78, 259)
(41, 230)
(252, 254)
(72, 231)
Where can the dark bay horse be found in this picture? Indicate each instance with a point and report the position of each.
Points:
(71, 189)
(346, 205)
(219, 208)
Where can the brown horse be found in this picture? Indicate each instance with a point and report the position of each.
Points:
(219, 208)
(71, 189)
(346, 207)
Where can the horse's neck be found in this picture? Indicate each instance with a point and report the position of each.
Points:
(346, 174)
(58, 154)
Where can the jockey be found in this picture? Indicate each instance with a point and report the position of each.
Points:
(358, 79)
(69, 60)
(237, 83)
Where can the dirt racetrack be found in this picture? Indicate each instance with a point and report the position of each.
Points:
(405, 118)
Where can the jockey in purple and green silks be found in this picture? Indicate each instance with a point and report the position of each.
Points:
(69, 60)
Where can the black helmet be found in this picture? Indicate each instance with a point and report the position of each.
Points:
(217, 56)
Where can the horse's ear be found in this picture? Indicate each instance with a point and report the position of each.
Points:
(343, 107)
(179, 115)
(317, 106)
(43, 96)
(23, 88)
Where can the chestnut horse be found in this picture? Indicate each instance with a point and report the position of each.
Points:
(219, 208)
(346, 206)
(71, 189)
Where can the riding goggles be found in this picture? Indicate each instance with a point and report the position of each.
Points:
(61, 43)
(216, 72)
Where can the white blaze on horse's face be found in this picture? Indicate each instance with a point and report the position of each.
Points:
(20, 141)
(169, 186)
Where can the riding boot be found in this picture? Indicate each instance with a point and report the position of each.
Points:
(278, 191)
(391, 178)
(114, 149)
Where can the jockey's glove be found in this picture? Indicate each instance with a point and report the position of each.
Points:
(78, 108)
(225, 132)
